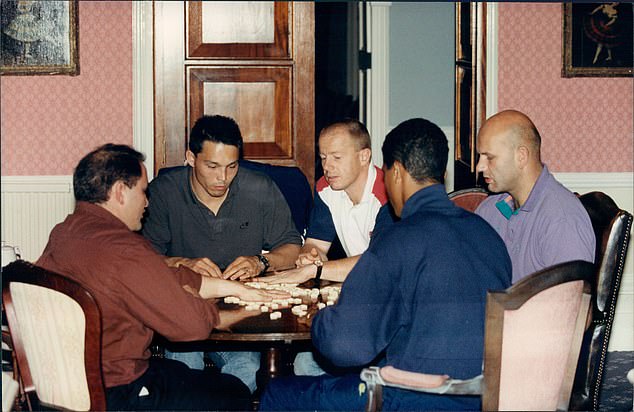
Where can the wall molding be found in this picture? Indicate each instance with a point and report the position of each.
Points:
(64, 183)
(143, 82)
(37, 184)
(592, 180)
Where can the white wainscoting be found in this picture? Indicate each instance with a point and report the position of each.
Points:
(33, 205)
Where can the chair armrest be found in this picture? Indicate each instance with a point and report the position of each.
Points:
(421, 382)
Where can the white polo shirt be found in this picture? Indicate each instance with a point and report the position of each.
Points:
(335, 214)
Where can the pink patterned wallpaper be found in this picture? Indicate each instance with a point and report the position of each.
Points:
(50, 122)
(586, 123)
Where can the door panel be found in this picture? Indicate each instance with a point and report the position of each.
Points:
(241, 29)
(265, 126)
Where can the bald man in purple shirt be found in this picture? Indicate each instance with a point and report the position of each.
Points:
(541, 222)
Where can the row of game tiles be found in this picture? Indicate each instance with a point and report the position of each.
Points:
(329, 293)
(295, 291)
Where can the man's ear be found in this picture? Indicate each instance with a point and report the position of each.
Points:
(365, 155)
(117, 192)
(522, 154)
(398, 171)
(190, 158)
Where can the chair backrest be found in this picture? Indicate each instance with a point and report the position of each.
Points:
(468, 199)
(612, 228)
(533, 334)
(55, 327)
(294, 187)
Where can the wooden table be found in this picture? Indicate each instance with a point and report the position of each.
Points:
(278, 340)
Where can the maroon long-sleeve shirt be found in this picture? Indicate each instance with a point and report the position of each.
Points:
(136, 291)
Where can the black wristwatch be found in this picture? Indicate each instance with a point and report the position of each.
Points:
(265, 262)
(320, 267)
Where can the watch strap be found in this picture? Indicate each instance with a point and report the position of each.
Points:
(319, 270)
(265, 262)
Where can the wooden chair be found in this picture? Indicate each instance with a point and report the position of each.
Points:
(533, 332)
(294, 187)
(468, 199)
(55, 327)
(612, 227)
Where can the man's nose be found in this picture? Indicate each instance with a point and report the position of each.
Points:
(480, 166)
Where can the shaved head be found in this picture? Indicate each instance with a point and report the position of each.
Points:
(509, 147)
(517, 128)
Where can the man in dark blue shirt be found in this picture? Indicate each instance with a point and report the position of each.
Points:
(416, 298)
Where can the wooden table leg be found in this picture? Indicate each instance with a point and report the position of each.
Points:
(274, 361)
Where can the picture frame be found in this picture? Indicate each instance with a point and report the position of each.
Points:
(597, 40)
(39, 37)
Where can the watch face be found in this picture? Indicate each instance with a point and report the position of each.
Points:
(318, 263)
(264, 261)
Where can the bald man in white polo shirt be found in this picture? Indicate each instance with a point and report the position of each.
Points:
(348, 199)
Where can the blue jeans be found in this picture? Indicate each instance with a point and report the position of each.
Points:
(242, 365)
(305, 365)
(314, 393)
(349, 393)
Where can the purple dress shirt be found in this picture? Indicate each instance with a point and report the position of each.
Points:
(551, 227)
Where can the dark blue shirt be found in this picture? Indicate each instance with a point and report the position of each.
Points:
(418, 293)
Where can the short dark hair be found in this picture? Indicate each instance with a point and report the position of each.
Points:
(421, 147)
(355, 129)
(216, 128)
(98, 171)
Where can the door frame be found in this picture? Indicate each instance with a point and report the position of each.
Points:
(377, 95)
(143, 82)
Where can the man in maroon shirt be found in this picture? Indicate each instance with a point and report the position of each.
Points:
(138, 293)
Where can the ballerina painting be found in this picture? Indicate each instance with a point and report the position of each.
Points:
(38, 36)
(598, 39)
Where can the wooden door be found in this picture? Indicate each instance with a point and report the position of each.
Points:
(470, 109)
(252, 61)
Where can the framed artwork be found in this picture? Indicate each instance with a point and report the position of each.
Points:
(597, 39)
(39, 37)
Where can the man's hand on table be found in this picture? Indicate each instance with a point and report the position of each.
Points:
(307, 259)
(244, 267)
(249, 294)
(297, 275)
(203, 266)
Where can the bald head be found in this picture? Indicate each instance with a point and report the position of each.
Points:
(516, 128)
(509, 148)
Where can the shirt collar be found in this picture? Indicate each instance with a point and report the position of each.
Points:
(506, 206)
(100, 212)
(430, 197)
(537, 191)
(369, 184)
